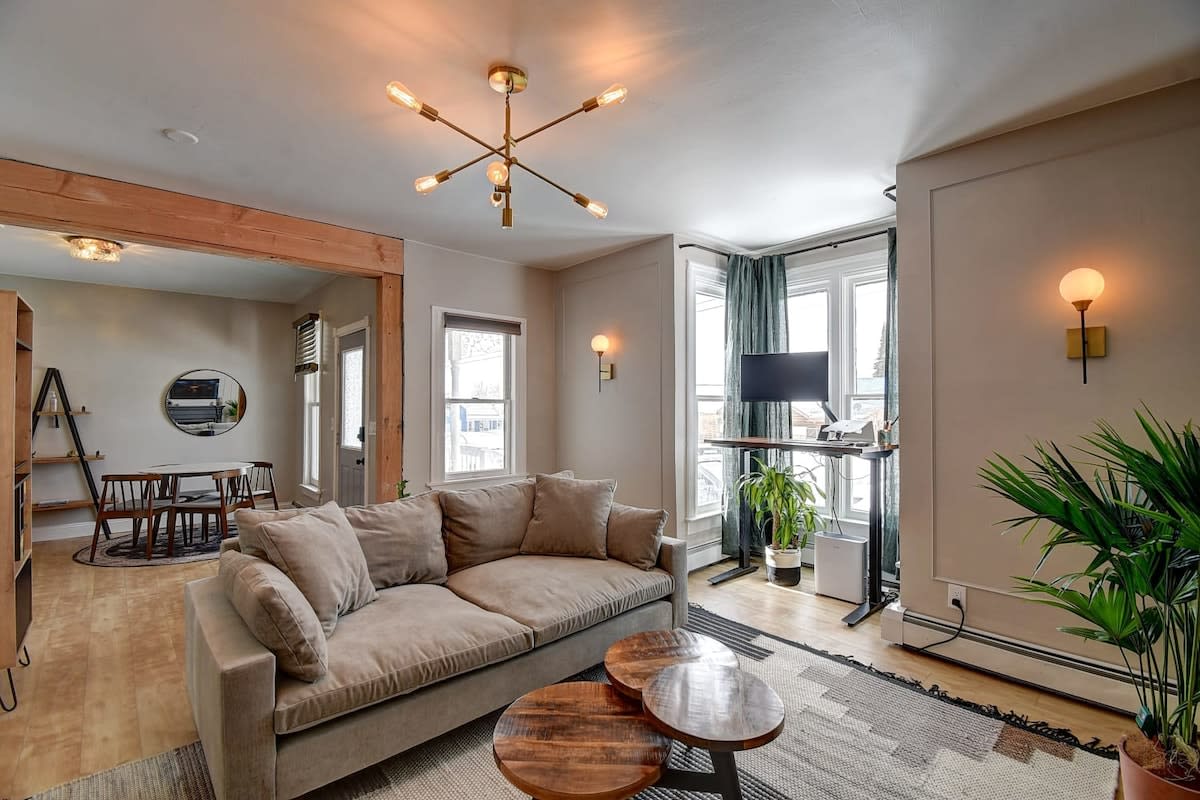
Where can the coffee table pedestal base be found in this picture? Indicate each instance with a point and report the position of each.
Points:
(723, 780)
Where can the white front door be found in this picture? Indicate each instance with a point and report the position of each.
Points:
(352, 418)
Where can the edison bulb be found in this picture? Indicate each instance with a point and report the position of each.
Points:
(613, 94)
(497, 199)
(426, 185)
(597, 209)
(497, 173)
(400, 94)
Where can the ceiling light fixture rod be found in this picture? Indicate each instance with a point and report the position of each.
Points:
(548, 125)
(537, 174)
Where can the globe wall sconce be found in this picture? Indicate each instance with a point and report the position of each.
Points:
(1080, 287)
(600, 346)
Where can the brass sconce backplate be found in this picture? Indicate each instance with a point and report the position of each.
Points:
(1097, 342)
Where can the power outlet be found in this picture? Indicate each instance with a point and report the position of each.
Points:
(956, 592)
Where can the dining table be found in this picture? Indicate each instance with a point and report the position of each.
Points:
(175, 473)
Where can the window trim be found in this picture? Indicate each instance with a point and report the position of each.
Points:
(516, 433)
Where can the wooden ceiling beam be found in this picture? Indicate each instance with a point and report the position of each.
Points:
(69, 202)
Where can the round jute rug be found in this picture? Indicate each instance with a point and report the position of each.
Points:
(118, 552)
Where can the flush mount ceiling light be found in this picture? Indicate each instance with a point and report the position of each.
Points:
(88, 249)
(507, 80)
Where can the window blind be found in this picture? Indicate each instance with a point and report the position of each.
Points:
(465, 322)
(308, 344)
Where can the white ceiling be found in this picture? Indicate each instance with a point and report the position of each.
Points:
(42, 254)
(751, 122)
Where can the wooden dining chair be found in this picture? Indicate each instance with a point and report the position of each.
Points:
(262, 483)
(128, 497)
(232, 491)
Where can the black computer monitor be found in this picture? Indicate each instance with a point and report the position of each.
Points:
(785, 377)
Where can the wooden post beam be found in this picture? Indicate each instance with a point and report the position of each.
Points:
(389, 386)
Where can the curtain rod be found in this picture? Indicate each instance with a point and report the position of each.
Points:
(795, 252)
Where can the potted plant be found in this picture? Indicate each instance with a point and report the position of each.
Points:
(789, 503)
(1138, 514)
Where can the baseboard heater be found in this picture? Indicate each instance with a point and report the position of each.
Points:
(1061, 673)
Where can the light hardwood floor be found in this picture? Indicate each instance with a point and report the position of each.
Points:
(106, 684)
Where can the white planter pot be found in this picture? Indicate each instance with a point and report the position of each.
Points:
(783, 566)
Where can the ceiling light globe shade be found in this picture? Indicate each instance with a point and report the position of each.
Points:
(613, 94)
(400, 94)
(1081, 285)
(89, 249)
(426, 185)
(600, 343)
(497, 173)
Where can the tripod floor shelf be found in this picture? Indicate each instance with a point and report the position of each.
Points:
(62, 506)
(64, 459)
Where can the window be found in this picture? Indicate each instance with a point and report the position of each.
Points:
(478, 362)
(308, 370)
(707, 368)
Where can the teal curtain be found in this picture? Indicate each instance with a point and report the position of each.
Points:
(755, 322)
(891, 410)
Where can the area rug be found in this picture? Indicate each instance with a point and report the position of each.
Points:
(852, 733)
(119, 552)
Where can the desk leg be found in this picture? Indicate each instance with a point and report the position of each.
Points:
(875, 596)
(744, 566)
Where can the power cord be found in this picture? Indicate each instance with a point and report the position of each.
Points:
(961, 624)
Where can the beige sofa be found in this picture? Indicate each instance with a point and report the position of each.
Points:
(420, 660)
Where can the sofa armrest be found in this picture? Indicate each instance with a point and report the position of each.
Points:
(672, 558)
(231, 685)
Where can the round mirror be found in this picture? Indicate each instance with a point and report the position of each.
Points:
(205, 402)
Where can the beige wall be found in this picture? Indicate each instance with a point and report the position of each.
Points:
(340, 302)
(630, 429)
(118, 349)
(434, 276)
(986, 232)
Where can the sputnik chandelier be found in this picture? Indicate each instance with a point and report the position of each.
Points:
(507, 80)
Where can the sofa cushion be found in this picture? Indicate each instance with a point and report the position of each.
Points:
(321, 555)
(401, 540)
(249, 523)
(557, 596)
(482, 525)
(410, 637)
(635, 534)
(570, 517)
(276, 613)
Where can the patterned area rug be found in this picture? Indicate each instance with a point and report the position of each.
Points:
(119, 552)
(852, 733)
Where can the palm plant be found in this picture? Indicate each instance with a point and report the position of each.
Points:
(787, 500)
(1139, 515)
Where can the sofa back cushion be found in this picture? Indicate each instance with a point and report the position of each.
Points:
(570, 517)
(482, 525)
(276, 613)
(320, 553)
(635, 534)
(401, 540)
(249, 523)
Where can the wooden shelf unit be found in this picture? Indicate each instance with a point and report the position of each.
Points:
(65, 459)
(62, 506)
(16, 504)
(62, 413)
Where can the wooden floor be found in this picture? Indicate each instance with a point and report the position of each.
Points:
(106, 685)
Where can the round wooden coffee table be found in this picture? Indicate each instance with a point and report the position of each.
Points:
(633, 661)
(578, 740)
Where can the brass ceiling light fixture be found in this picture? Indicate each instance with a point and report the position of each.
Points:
(507, 80)
(87, 248)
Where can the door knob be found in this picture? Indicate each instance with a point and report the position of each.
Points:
(358, 461)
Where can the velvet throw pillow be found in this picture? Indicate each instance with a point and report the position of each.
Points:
(320, 553)
(570, 517)
(249, 522)
(401, 540)
(276, 613)
(635, 534)
(488, 524)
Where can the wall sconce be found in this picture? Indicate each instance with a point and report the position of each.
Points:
(1080, 287)
(600, 345)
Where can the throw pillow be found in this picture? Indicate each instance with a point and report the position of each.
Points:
(321, 554)
(249, 523)
(635, 534)
(570, 517)
(482, 525)
(276, 613)
(402, 540)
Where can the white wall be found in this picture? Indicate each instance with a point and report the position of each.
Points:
(434, 276)
(340, 302)
(631, 428)
(986, 231)
(118, 350)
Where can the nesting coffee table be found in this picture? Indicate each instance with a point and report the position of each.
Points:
(601, 742)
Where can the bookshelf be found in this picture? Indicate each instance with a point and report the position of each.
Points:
(16, 463)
